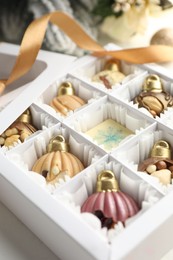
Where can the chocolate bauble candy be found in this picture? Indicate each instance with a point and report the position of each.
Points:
(153, 97)
(64, 104)
(110, 75)
(57, 162)
(66, 100)
(52, 165)
(19, 130)
(113, 203)
(159, 164)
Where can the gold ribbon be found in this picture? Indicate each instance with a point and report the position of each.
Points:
(34, 35)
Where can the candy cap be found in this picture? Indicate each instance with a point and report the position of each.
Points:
(25, 117)
(161, 149)
(113, 65)
(66, 88)
(58, 143)
(106, 181)
(153, 84)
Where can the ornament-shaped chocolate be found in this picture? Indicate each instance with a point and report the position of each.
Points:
(66, 100)
(19, 130)
(159, 164)
(153, 97)
(57, 162)
(110, 75)
(108, 199)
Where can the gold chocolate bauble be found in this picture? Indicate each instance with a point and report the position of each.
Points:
(57, 162)
(110, 75)
(19, 130)
(153, 97)
(66, 100)
(160, 163)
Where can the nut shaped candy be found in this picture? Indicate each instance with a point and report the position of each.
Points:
(110, 200)
(153, 97)
(66, 99)
(19, 130)
(159, 164)
(57, 162)
(111, 74)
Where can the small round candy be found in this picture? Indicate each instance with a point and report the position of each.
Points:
(161, 165)
(151, 168)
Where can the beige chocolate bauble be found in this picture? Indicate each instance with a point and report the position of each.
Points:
(57, 162)
(66, 99)
(65, 103)
(163, 37)
(52, 165)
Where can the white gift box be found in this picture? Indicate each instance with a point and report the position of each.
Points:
(53, 213)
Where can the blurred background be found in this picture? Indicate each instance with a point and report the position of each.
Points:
(128, 23)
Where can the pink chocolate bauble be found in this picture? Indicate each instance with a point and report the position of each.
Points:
(116, 205)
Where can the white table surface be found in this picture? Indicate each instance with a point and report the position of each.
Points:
(17, 242)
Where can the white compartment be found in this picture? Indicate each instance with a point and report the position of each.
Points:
(24, 91)
(90, 66)
(75, 193)
(129, 91)
(40, 120)
(137, 150)
(108, 108)
(26, 155)
(82, 90)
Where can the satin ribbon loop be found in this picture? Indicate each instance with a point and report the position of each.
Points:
(34, 35)
(2, 85)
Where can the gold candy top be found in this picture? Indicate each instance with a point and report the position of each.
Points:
(58, 143)
(112, 65)
(106, 181)
(152, 84)
(25, 117)
(161, 149)
(66, 88)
